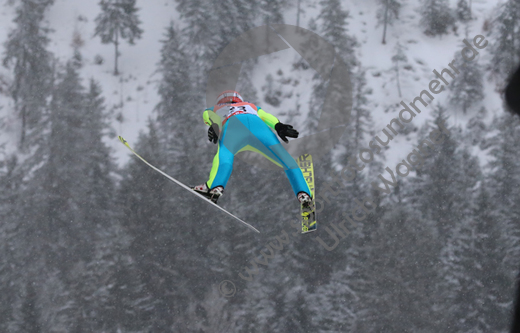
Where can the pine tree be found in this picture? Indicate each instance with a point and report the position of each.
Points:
(476, 127)
(128, 306)
(467, 89)
(334, 28)
(395, 290)
(161, 219)
(210, 314)
(174, 67)
(55, 189)
(272, 10)
(387, 14)
(476, 282)
(208, 33)
(176, 89)
(102, 239)
(436, 17)
(504, 180)
(332, 25)
(55, 301)
(444, 190)
(10, 235)
(336, 303)
(399, 56)
(298, 319)
(30, 320)
(464, 10)
(118, 20)
(442, 183)
(69, 207)
(97, 163)
(506, 46)
(25, 52)
(329, 264)
(201, 31)
(359, 129)
(149, 219)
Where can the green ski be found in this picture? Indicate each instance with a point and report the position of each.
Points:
(308, 213)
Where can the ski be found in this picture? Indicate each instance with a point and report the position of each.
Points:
(184, 186)
(308, 214)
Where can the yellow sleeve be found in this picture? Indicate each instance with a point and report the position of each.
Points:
(210, 118)
(268, 118)
(206, 117)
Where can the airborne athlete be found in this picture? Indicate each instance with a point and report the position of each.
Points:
(246, 126)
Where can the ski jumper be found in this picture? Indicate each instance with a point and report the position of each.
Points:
(246, 127)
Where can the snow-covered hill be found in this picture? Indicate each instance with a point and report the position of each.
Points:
(132, 95)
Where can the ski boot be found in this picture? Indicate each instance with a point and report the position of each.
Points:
(212, 194)
(308, 214)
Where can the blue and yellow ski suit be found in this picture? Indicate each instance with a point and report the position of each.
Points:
(244, 127)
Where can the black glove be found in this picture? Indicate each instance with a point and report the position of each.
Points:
(285, 130)
(212, 135)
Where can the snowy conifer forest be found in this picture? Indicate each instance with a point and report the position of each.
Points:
(93, 240)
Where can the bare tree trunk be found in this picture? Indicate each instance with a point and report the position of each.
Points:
(116, 71)
(24, 126)
(386, 21)
(513, 56)
(397, 77)
(298, 14)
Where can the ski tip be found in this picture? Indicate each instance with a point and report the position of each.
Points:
(122, 139)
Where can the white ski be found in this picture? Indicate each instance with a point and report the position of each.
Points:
(184, 186)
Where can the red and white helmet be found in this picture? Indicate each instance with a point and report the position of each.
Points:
(229, 96)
